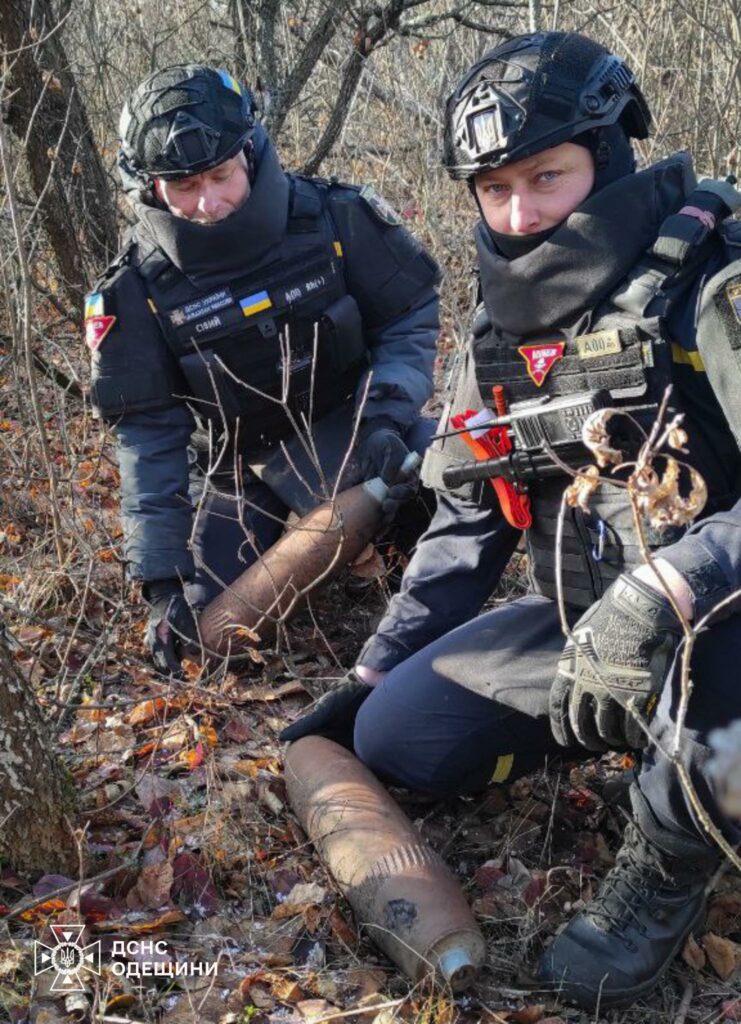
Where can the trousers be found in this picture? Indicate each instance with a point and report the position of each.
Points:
(240, 510)
(472, 708)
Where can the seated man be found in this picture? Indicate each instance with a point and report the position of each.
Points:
(266, 308)
(594, 278)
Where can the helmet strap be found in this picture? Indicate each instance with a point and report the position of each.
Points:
(611, 151)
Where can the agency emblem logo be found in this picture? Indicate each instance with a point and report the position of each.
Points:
(68, 958)
(540, 358)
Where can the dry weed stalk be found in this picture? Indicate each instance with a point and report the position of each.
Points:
(654, 498)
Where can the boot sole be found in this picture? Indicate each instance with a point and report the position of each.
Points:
(627, 997)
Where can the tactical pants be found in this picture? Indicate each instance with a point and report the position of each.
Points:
(472, 708)
(240, 511)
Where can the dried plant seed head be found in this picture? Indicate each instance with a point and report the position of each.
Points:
(658, 498)
(677, 437)
(596, 438)
(581, 489)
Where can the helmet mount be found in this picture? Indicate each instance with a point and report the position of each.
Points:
(181, 121)
(534, 92)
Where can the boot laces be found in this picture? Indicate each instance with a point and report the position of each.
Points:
(629, 886)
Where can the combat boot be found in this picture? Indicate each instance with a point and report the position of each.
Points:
(616, 950)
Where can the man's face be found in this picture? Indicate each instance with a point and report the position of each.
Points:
(538, 192)
(208, 197)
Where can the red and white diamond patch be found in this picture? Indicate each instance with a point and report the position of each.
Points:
(540, 358)
(96, 329)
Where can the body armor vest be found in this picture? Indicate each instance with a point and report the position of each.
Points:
(281, 340)
(619, 345)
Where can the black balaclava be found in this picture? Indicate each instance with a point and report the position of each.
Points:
(613, 158)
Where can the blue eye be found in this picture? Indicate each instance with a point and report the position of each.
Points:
(548, 176)
(495, 188)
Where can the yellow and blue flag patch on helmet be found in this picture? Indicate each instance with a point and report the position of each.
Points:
(230, 83)
(94, 305)
(255, 303)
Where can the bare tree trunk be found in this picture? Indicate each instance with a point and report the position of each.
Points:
(36, 794)
(48, 117)
(367, 38)
(534, 15)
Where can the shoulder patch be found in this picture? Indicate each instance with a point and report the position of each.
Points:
(733, 294)
(381, 207)
(96, 330)
(97, 322)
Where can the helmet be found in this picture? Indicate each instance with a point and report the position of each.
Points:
(533, 92)
(183, 120)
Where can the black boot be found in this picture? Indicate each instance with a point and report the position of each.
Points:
(616, 950)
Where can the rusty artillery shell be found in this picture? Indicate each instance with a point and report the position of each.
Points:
(399, 888)
(273, 587)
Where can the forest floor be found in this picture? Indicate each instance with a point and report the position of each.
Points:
(184, 811)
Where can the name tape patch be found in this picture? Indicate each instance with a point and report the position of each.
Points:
(540, 358)
(207, 325)
(201, 307)
(295, 292)
(599, 343)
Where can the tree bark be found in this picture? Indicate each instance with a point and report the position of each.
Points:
(367, 38)
(48, 117)
(36, 794)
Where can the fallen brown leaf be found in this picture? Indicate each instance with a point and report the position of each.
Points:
(693, 955)
(723, 954)
(527, 1015)
(315, 1009)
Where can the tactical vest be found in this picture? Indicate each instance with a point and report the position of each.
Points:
(621, 346)
(282, 340)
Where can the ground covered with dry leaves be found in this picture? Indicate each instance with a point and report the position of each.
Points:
(188, 841)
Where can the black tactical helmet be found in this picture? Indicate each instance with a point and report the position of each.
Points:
(181, 121)
(534, 92)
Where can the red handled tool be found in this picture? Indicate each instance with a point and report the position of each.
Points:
(492, 444)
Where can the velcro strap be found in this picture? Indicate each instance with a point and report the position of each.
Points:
(305, 206)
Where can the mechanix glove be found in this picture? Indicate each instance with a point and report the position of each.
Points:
(333, 716)
(381, 452)
(171, 631)
(624, 647)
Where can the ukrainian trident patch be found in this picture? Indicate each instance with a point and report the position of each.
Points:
(540, 358)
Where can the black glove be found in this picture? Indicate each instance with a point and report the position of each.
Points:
(333, 715)
(171, 631)
(630, 635)
(381, 452)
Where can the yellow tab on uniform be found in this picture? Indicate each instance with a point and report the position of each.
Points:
(255, 303)
(94, 305)
(503, 767)
(693, 359)
(337, 247)
(598, 343)
(152, 306)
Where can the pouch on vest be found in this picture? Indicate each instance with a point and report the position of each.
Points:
(212, 387)
(341, 331)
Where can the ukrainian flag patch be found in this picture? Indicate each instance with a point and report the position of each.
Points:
(230, 83)
(94, 305)
(255, 303)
